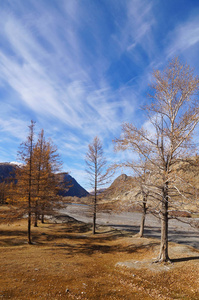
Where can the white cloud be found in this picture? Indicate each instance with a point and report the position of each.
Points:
(14, 127)
(183, 37)
(137, 29)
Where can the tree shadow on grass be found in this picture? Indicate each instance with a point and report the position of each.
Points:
(76, 232)
(13, 237)
(176, 260)
(11, 232)
(91, 246)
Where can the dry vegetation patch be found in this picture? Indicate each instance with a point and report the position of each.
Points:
(67, 262)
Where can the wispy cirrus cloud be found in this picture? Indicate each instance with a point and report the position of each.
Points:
(184, 37)
(136, 31)
(81, 68)
(14, 127)
(73, 101)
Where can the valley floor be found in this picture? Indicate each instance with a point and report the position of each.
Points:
(67, 262)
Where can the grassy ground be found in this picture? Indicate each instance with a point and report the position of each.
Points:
(67, 262)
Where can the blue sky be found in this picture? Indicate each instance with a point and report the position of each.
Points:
(81, 68)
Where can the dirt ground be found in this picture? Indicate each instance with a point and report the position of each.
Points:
(67, 262)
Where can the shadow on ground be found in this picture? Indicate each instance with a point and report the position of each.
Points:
(190, 238)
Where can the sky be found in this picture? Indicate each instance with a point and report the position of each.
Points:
(80, 68)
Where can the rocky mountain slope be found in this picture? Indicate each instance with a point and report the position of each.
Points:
(121, 194)
(73, 188)
(7, 170)
(124, 195)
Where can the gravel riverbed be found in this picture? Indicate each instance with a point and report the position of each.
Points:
(179, 232)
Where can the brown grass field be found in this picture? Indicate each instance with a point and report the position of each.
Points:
(67, 262)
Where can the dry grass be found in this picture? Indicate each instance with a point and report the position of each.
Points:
(67, 262)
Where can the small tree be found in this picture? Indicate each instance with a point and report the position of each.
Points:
(25, 175)
(50, 199)
(142, 178)
(173, 114)
(38, 159)
(97, 171)
(37, 185)
(46, 162)
(140, 186)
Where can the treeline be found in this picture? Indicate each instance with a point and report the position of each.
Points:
(34, 188)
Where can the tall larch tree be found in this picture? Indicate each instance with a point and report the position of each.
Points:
(97, 171)
(173, 113)
(25, 176)
(50, 199)
(38, 162)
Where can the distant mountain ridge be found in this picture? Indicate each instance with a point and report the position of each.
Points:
(75, 190)
(7, 170)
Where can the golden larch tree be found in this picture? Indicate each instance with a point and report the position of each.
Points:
(172, 113)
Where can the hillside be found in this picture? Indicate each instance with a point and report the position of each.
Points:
(120, 194)
(122, 185)
(75, 189)
(7, 170)
(124, 195)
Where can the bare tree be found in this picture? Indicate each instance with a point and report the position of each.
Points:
(97, 171)
(173, 114)
(142, 178)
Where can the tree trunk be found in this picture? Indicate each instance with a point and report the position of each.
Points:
(36, 214)
(29, 210)
(144, 209)
(94, 223)
(94, 213)
(42, 218)
(95, 200)
(29, 227)
(36, 218)
(164, 256)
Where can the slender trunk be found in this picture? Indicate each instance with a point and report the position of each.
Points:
(164, 256)
(95, 200)
(29, 212)
(42, 213)
(144, 209)
(36, 213)
(30, 184)
(29, 204)
(29, 228)
(94, 223)
(38, 179)
(94, 213)
(36, 218)
(42, 218)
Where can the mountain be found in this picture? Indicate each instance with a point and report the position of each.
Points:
(75, 189)
(124, 195)
(120, 188)
(7, 170)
